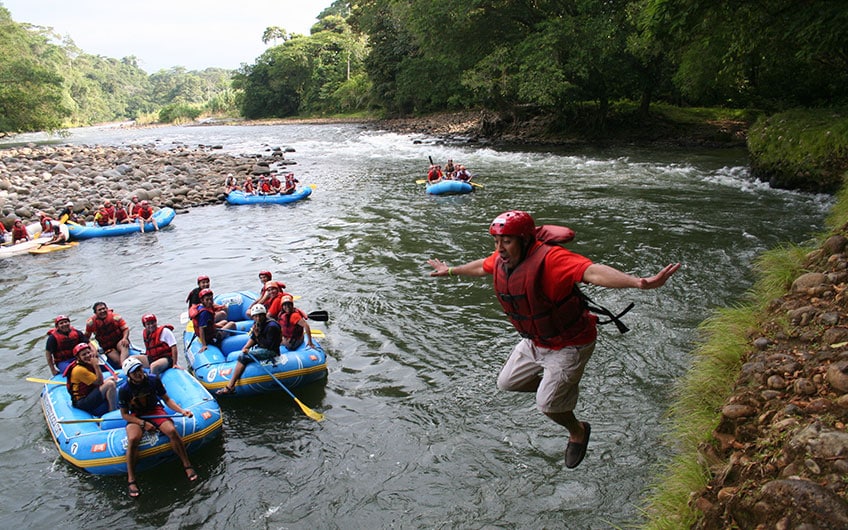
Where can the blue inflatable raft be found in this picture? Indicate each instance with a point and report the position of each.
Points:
(238, 197)
(163, 217)
(98, 445)
(449, 187)
(214, 366)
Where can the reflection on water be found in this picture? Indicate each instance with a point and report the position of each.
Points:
(416, 435)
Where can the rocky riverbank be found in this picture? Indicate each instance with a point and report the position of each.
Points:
(45, 178)
(780, 452)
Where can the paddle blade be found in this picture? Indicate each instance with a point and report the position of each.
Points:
(421, 181)
(317, 416)
(320, 316)
(477, 185)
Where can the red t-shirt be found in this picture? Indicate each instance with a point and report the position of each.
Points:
(562, 270)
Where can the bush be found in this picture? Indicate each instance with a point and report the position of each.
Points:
(179, 113)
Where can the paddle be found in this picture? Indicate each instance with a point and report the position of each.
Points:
(315, 332)
(317, 416)
(44, 381)
(98, 420)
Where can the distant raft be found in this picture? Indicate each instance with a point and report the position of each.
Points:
(238, 197)
(163, 217)
(214, 366)
(99, 445)
(449, 187)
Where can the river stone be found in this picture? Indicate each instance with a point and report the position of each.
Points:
(738, 411)
(802, 502)
(837, 376)
(835, 244)
(808, 281)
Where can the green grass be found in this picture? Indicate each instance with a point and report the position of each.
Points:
(710, 381)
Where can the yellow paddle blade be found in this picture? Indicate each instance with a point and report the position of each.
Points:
(313, 186)
(476, 185)
(421, 181)
(44, 381)
(317, 416)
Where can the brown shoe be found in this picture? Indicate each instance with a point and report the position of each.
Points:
(574, 451)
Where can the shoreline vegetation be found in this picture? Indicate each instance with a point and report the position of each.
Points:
(758, 426)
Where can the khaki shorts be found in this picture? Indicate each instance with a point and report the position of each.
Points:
(555, 374)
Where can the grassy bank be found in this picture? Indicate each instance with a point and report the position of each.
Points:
(804, 149)
(799, 144)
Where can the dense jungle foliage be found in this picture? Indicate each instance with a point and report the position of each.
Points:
(573, 60)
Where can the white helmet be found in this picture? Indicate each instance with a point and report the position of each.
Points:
(131, 364)
(258, 309)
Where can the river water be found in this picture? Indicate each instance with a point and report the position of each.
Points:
(416, 433)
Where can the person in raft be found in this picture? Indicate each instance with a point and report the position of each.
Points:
(536, 283)
(111, 331)
(20, 234)
(88, 389)
(263, 344)
(193, 299)
(206, 326)
(145, 215)
(67, 214)
(58, 237)
(160, 345)
(264, 278)
(139, 398)
(61, 341)
(105, 216)
(293, 325)
(122, 215)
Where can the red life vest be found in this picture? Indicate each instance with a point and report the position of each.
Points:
(155, 348)
(291, 331)
(19, 232)
(532, 313)
(105, 215)
(46, 224)
(107, 331)
(65, 344)
(79, 390)
(144, 212)
(248, 185)
(121, 214)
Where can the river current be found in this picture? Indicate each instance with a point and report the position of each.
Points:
(416, 433)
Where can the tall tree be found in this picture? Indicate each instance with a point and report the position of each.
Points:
(31, 95)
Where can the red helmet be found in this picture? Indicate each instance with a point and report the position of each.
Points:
(265, 273)
(513, 223)
(60, 318)
(202, 277)
(149, 317)
(80, 347)
(205, 292)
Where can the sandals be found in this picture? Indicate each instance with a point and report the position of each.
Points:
(132, 489)
(226, 390)
(190, 474)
